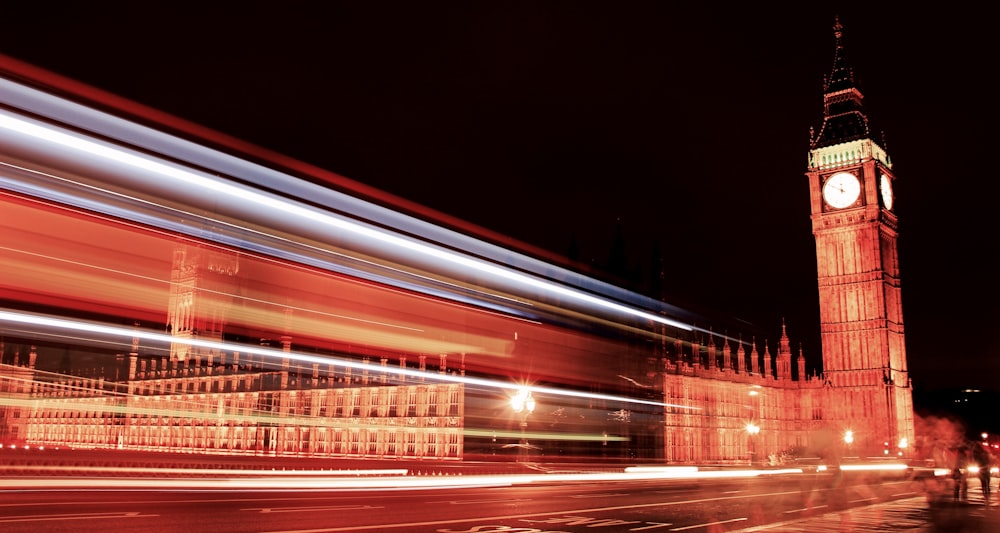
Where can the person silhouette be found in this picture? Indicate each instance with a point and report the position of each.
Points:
(958, 474)
(981, 456)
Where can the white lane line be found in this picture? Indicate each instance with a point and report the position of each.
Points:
(473, 502)
(804, 509)
(709, 524)
(654, 526)
(74, 516)
(310, 508)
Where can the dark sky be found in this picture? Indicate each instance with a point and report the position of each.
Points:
(563, 122)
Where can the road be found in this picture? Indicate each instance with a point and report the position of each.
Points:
(560, 504)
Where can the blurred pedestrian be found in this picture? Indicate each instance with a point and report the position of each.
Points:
(981, 456)
(958, 473)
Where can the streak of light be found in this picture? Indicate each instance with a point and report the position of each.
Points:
(264, 480)
(876, 467)
(263, 245)
(226, 472)
(104, 125)
(218, 188)
(233, 295)
(662, 469)
(692, 472)
(116, 331)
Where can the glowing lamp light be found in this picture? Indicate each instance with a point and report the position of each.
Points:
(522, 401)
(903, 443)
(753, 429)
(849, 436)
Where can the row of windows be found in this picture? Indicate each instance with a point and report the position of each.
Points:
(362, 442)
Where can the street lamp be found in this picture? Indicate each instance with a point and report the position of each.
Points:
(752, 431)
(848, 440)
(524, 404)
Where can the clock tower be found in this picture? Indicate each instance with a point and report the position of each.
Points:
(851, 185)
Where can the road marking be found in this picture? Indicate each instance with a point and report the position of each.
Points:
(833, 521)
(310, 508)
(74, 516)
(597, 495)
(472, 502)
(707, 524)
(654, 526)
(804, 509)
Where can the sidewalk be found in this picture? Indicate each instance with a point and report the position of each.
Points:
(916, 514)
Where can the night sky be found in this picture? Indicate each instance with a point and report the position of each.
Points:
(562, 123)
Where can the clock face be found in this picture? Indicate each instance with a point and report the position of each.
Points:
(841, 190)
(885, 187)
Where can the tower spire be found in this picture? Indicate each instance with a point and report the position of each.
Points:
(841, 76)
(843, 118)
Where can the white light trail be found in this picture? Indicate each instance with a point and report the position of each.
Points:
(316, 480)
(272, 203)
(875, 467)
(128, 333)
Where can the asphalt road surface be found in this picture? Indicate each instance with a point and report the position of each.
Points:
(233, 505)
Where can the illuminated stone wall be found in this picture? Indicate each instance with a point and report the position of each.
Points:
(237, 414)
